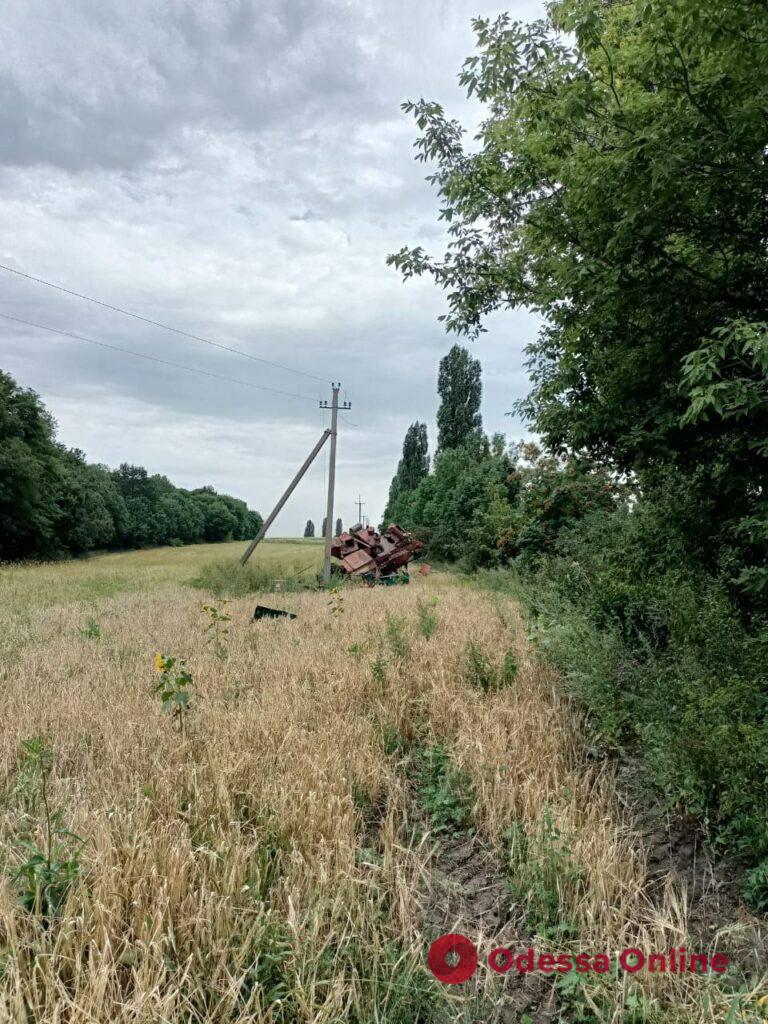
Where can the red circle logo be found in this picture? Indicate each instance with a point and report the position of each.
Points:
(459, 946)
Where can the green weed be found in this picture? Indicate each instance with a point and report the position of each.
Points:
(395, 635)
(49, 871)
(482, 674)
(478, 670)
(508, 668)
(397, 989)
(264, 870)
(539, 869)
(268, 982)
(756, 886)
(217, 628)
(393, 741)
(92, 630)
(593, 1000)
(446, 792)
(230, 579)
(427, 617)
(379, 670)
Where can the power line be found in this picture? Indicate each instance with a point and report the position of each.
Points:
(165, 327)
(155, 359)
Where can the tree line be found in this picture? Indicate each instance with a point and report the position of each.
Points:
(309, 529)
(54, 503)
(482, 502)
(619, 189)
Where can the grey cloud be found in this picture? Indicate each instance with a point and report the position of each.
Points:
(239, 170)
(308, 215)
(82, 100)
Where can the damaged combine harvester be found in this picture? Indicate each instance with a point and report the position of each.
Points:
(376, 557)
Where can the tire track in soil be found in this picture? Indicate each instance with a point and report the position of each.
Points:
(465, 892)
(677, 852)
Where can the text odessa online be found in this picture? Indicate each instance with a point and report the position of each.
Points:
(675, 961)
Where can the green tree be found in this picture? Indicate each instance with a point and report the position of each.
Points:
(132, 482)
(91, 510)
(239, 510)
(253, 524)
(619, 190)
(460, 390)
(412, 468)
(183, 516)
(455, 509)
(339, 528)
(220, 522)
(29, 474)
(309, 529)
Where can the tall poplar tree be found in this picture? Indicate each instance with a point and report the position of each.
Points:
(460, 390)
(411, 470)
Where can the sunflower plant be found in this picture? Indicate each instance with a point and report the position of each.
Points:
(174, 680)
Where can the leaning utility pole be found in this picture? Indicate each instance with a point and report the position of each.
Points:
(286, 495)
(331, 432)
(334, 407)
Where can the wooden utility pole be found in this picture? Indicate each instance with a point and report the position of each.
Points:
(334, 407)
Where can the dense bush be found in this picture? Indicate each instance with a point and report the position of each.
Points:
(454, 508)
(663, 661)
(552, 494)
(53, 503)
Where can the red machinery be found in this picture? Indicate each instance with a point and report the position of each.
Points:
(364, 552)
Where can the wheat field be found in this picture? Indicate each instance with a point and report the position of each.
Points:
(270, 863)
(89, 580)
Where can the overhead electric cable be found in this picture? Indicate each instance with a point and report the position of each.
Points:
(165, 327)
(155, 359)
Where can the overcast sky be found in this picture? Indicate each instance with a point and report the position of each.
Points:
(239, 169)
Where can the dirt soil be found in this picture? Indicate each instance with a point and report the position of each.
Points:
(465, 893)
(676, 849)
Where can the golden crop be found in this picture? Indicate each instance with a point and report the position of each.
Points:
(266, 867)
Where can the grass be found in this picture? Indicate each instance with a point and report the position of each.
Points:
(105, 576)
(236, 872)
(230, 579)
